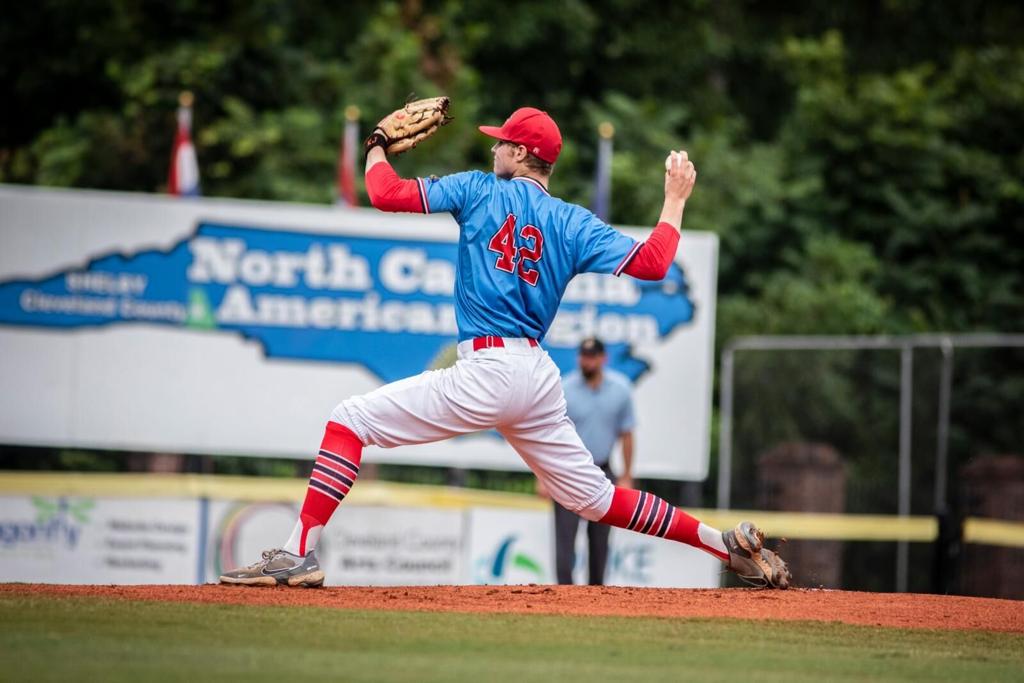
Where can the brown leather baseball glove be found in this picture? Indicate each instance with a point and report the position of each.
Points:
(404, 128)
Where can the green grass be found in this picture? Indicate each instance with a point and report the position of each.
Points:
(91, 639)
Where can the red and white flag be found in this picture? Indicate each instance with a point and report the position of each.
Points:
(183, 178)
(346, 191)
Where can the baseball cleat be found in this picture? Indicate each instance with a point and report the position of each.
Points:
(279, 568)
(751, 561)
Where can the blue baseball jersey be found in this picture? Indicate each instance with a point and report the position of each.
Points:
(518, 249)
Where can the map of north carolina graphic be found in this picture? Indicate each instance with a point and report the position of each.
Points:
(384, 304)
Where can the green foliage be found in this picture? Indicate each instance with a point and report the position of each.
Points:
(823, 289)
(907, 169)
(862, 164)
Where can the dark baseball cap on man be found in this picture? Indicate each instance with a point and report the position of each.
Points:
(591, 346)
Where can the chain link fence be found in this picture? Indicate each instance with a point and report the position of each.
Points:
(905, 415)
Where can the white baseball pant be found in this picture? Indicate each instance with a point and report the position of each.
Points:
(515, 389)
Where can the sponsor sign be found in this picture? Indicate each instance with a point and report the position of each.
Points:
(510, 546)
(384, 304)
(641, 560)
(384, 546)
(239, 531)
(253, 320)
(140, 541)
(364, 546)
(97, 540)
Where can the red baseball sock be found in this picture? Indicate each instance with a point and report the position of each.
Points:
(647, 514)
(334, 473)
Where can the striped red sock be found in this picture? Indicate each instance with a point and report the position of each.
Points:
(648, 514)
(334, 473)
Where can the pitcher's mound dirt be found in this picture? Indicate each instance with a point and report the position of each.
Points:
(871, 609)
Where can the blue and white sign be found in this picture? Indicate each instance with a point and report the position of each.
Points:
(255, 319)
(384, 304)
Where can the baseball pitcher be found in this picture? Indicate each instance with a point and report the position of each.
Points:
(518, 249)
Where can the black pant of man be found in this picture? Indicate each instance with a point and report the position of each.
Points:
(566, 525)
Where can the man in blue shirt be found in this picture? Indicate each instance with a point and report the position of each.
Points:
(600, 403)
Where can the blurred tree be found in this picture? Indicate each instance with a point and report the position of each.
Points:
(910, 165)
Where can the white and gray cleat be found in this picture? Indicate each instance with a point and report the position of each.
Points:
(751, 561)
(278, 568)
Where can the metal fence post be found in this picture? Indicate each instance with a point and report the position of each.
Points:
(906, 428)
(942, 437)
(725, 430)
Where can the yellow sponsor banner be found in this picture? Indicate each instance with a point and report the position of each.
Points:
(790, 525)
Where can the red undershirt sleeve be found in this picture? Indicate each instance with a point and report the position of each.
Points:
(655, 256)
(388, 192)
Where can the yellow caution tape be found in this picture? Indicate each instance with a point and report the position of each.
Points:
(271, 489)
(825, 526)
(994, 532)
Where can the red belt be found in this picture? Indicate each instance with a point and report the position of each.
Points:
(490, 342)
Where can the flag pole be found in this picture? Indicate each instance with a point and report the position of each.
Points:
(602, 203)
(346, 186)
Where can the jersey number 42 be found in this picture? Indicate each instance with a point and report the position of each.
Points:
(504, 243)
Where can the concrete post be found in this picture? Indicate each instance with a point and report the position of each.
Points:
(993, 487)
(805, 477)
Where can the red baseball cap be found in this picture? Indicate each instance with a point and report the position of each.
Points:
(533, 129)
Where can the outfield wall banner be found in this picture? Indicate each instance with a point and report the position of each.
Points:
(641, 560)
(510, 546)
(364, 546)
(648, 561)
(99, 540)
(395, 547)
(150, 323)
(102, 540)
(239, 531)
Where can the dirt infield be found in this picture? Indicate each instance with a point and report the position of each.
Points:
(871, 609)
